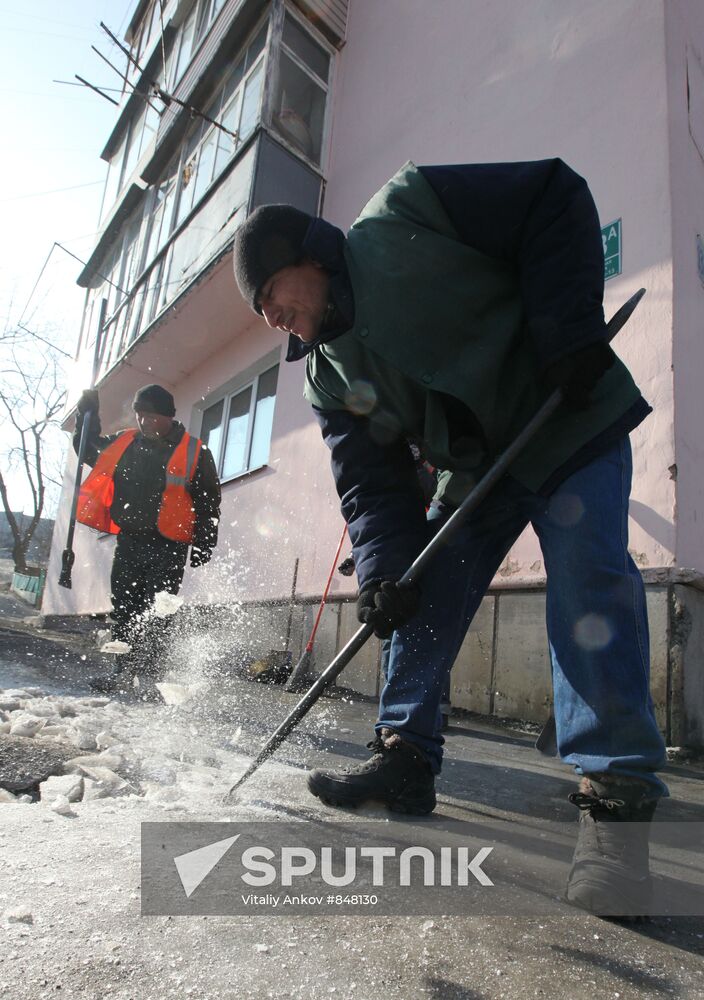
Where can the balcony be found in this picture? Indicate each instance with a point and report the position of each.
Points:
(261, 138)
(262, 172)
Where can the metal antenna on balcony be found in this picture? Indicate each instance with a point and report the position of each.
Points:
(123, 76)
(164, 95)
(96, 273)
(85, 83)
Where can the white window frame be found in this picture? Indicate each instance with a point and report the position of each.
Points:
(225, 394)
(190, 154)
(278, 46)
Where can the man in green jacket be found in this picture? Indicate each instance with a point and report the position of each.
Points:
(459, 299)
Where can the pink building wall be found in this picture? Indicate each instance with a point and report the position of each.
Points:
(685, 80)
(274, 516)
(464, 82)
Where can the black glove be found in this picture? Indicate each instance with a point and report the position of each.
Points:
(88, 401)
(578, 373)
(346, 567)
(200, 556)
(386, 606)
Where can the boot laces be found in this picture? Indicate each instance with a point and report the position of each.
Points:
(594, 803)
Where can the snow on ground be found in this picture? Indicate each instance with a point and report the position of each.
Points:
(181, 757)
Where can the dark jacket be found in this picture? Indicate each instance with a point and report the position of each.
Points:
(140, 479)
(464, 284)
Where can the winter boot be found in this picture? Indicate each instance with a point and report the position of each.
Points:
(610, 873)
(397, 774)
(116, 683)
(120, 681)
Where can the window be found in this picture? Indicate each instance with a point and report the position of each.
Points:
(212, 222)
(114, 177)
(301, 93)
(152, 25)
(185, 46)
(132, 145)
(236, 105)
(192, 32)
(162, 205)
(237, 428)
(207, 12)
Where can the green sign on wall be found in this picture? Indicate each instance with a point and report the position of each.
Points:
(611, 240)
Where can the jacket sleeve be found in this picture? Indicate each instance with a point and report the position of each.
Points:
(96, 442)
(541, 216)
(206, 500)
(381, 498)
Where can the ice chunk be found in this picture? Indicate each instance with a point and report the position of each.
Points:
(116, 646)
(175, 694)
(108, 780)
(166, 604)
(62, 806)
(111, 760)
(82, 738)
(68, 785)
(25, 724)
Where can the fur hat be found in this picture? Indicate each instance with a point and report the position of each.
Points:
(272, 237)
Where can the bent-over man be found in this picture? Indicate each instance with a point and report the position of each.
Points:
(461, 297)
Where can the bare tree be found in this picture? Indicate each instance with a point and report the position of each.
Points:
(31, 400)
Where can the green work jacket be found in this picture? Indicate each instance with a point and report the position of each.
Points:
(439, 331)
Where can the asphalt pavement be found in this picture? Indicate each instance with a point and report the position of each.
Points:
(71, 904)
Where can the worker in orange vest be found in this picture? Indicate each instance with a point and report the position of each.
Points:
(157, 489)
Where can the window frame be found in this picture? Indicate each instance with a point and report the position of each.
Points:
(248, 379)
(191, 151)
(279, 47)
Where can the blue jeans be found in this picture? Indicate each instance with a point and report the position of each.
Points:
(597, 622)
(446, 699)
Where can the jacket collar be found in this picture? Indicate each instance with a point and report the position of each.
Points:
(173, 437)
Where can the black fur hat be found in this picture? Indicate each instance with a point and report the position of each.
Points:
(272, 237)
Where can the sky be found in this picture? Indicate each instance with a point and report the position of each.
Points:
(51, 174)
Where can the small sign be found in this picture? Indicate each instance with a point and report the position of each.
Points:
(611, 241)
(700, 257)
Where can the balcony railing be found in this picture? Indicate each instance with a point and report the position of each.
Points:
(263, 172)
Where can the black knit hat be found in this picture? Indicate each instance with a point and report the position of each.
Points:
(154, 399)
(270, 238)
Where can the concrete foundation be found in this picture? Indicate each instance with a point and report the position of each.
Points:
(503, 666)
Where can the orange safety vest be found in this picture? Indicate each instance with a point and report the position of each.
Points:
(177, 515)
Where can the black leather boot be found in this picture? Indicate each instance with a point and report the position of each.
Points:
(610, 873)
(396, 774)
(120, 681)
